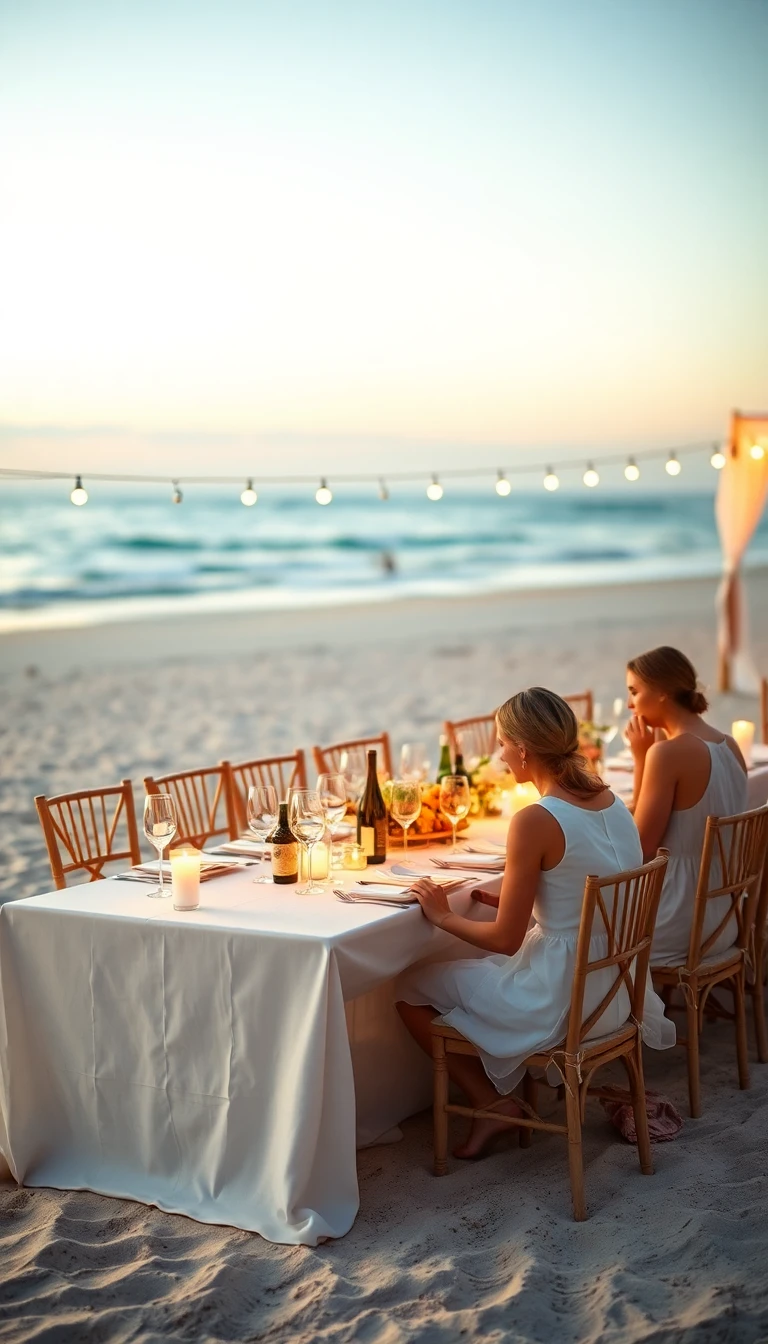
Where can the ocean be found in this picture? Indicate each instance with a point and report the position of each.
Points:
(131, 552)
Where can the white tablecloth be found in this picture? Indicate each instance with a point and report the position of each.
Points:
(203, 1062)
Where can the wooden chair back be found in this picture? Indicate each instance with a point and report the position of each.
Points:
(623, 908)
(329, 758)
(732, 862)
(472, 737)
(583, 705)
(85, 830)
(204, 802)
(764, 710)
(282, 772)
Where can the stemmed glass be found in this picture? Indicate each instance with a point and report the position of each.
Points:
(405, 804)
(332, 791)
(261, 814)
(160, 826)
(306, 819)
(414, 761)
(454, 801)
(353, 766)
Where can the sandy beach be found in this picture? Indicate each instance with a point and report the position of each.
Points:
(489, 1252)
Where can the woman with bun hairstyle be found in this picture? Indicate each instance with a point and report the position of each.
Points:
(692, 773)
(515, 999)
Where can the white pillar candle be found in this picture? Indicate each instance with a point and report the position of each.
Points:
(321, 860)
(744, 734)
(185, 881)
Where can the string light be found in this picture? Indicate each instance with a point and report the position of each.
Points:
(503, 486)
(434, 489)
(717, 460)
(249, 496)
(551, 481)
(383, 491)
(323, 495)
(632, 471)
(757, 452)
(79, 495)
(591, 477)
(177, 496)
(672, 466)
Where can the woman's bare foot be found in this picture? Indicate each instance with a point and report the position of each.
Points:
(484, 1133)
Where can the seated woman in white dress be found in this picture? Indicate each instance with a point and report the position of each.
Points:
(693, 773)
(515, 1001)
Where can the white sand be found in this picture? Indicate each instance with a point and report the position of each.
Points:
(489, 1252)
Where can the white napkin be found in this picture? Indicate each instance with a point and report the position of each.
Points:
(478, 863)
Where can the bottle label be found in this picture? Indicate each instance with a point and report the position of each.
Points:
(284, 860)
(367, 838)
(374, 838)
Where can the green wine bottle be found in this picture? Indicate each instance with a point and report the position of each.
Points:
(460, 768)
(372, 817)
(444, 768)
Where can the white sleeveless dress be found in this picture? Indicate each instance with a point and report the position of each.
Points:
(725, 795)
(510, 1007)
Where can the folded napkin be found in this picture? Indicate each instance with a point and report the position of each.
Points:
(391, 893)
(474, 863)
(493, 847)
(147, 872)
(254, 848)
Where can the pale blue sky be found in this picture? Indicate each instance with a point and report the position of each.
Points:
(435, 223)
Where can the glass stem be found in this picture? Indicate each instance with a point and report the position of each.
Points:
(405, 837)
(160, 867)
(453, 824)
(310, 847)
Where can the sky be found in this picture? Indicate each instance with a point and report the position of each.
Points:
(368, 234)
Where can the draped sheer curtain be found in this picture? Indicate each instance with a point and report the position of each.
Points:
(740, 500)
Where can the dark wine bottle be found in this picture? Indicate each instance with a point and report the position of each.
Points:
(285, 849)
(444, 768)
(372, 817)
(460, 768)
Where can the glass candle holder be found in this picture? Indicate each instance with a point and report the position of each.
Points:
(354, 857)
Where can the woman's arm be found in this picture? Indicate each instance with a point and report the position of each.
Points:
(526, 845)
(655, 797)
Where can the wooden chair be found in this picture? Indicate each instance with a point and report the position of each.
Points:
(92, 827)
(583, 705)
(472, 737)
(623, 908)
(764, 710)
(282, 772)
(204, 801)
(756, 970)
(329, 758)
(738, 844)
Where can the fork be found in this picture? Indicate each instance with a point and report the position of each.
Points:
(369, 900)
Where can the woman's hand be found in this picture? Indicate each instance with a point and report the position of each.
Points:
(432, 899)
(639, 736)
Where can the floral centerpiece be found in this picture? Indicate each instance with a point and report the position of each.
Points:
(429, 821)
(487, 783)
(592, 742)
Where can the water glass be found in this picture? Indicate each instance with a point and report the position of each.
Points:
(332, 790)
(414, 761)
(405, 804)
(160, 826)
(454, 801)
(261, 814)
(353, 766)
(306, 819)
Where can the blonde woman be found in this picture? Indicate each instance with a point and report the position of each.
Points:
(693, 773)
(515, 1000)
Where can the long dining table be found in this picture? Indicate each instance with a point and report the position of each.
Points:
(223, 1063)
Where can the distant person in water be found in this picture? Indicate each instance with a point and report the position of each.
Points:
(388, 562)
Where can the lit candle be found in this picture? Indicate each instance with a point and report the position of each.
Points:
(185, 879)
(744, 734)
(354, 857)
(519, 797)
(321, 861)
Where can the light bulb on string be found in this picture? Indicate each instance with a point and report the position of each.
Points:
(590, 477)
(79, 495)
(672, 466)
(383, 491)
(434, 489)
(323, 495)
(177, 496)
(717, 460)
(757, 452)
(632, 471)
(503, 486)
(551, 481)
(249, 496)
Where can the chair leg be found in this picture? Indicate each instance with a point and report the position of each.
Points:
(634, 1067)
(741, 1028)
(440, 1101)
(694, 1085)
(575, 1154)
(757, 990)
(530, 1093)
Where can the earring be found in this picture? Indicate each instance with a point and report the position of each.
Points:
(523, 763)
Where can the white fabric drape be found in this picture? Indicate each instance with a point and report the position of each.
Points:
(740, 501)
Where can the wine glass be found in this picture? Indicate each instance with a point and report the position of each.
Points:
(332, 789)
(306, 819)
(353, 766)
(160, 826)
(454, 801)
(414, 762)
(261, 814)
(405, 804)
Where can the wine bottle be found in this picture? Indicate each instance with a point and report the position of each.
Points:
(460, 768)
(444, 768)
(285, 849)
(372, 817)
